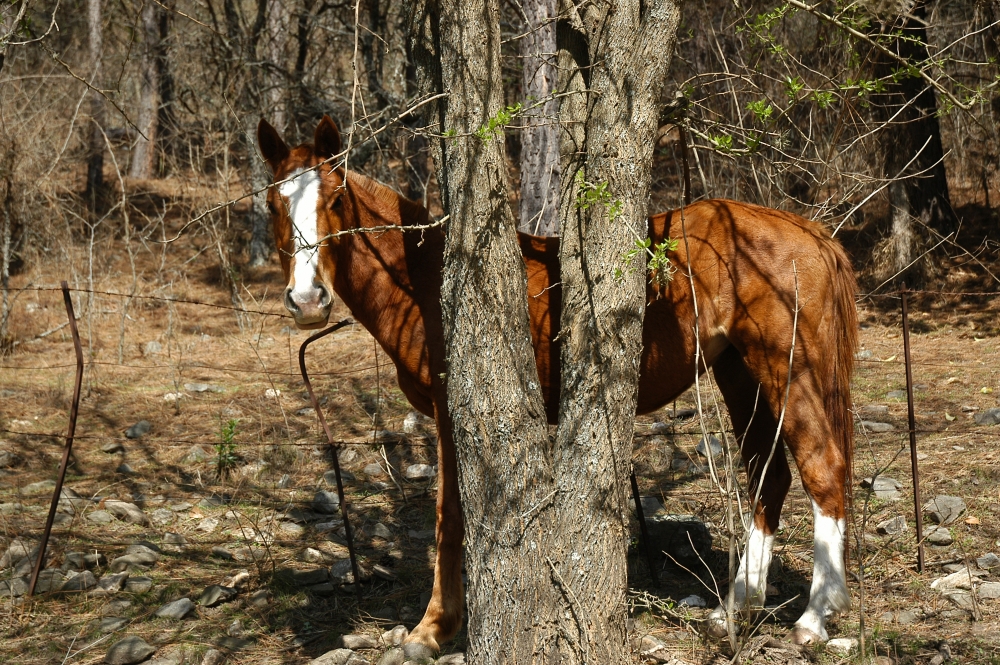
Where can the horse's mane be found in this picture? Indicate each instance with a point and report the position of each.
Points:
(409, 211)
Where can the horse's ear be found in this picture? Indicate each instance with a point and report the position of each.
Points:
(271, 145)
(326, 142)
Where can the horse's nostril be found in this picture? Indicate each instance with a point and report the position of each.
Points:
(290, 302)
(324, 296)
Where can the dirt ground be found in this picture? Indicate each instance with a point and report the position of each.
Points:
(143, 352)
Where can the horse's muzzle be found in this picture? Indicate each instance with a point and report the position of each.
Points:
(311, 308)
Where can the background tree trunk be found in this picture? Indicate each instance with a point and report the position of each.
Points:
(95, 145)
(539, 207)
(144, 153)
(909, 106)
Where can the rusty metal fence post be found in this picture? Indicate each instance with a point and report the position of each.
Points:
(74, 410)
(911, 422)
(334, 448)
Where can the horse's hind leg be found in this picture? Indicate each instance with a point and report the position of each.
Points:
(808, 432)
(764, 458)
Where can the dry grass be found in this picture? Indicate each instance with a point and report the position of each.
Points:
(198, 343)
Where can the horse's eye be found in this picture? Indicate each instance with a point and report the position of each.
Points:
(335, 204)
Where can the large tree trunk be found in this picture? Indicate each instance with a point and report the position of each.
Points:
(95, 144)
(913, 136)
(500, 432)
(619, 56)
(278, 26)
(546, 536)
(144, 153)
(539, 209)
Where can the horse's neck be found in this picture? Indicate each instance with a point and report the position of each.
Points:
(376, 285)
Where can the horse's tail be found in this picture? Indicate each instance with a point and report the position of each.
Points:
(845, 329)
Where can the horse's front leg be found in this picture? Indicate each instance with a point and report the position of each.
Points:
(443, 616)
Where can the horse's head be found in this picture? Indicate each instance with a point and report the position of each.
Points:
(306, 211)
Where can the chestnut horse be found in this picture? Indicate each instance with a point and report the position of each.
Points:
(775, 320)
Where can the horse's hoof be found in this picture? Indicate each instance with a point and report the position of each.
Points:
(418, 651)
(804, 636)
(715, 625)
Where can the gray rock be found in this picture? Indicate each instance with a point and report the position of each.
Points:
(236, 630)
(893, 526)
(382, 531)
(418, 652)
(309, 577)
(180, 507)
(132, 649)
(41, 487)
(196, 454)
(9, 459)
(285, 482)
(139, 584)
(909, 617)
(176, 610)
(201, 388)
(162, 516)
(958, 580)
(374, 470)
(945, 509)
(938, 535)
(341, 572)
(896, 394)
(306, 411)
(864, 354)
(411, 422)
(713, 444)
(259, 599)
(960, 599)
(113, 447)
(651, 506)
(988, 590)
(355, 642)
(51, 579)
(292, 529)
(126, 511)
(692, 601)
(116, 608)
(78, 561)
(175, 657)
(882, 487)
(81, 582)
(393, 656)
(842, 645)
(384, 573)
(420, 472)
(208, 525)
(395, 636)
(14, 587)
(138, 430)
(124, 469)
(326, 502)
(222, 553)
(873, 412)
(148, 549)
(233, 643)
(988, 561)
(110, 624)
(457, 658)
(670, 534)
(216, 594)
(138, 562)
(988, 417)
(213, 657)
(114, 582)
(876, 427)
(17, 550)
(152, 348)
(100, 517)
(339, 657)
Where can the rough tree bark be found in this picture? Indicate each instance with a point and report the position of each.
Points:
(95, 144)
(539, 206)
(615, 59)
(500, 433)
(546, 518)
(909, 106)
(144, 152)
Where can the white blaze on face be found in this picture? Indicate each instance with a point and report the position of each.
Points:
(302, 193)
